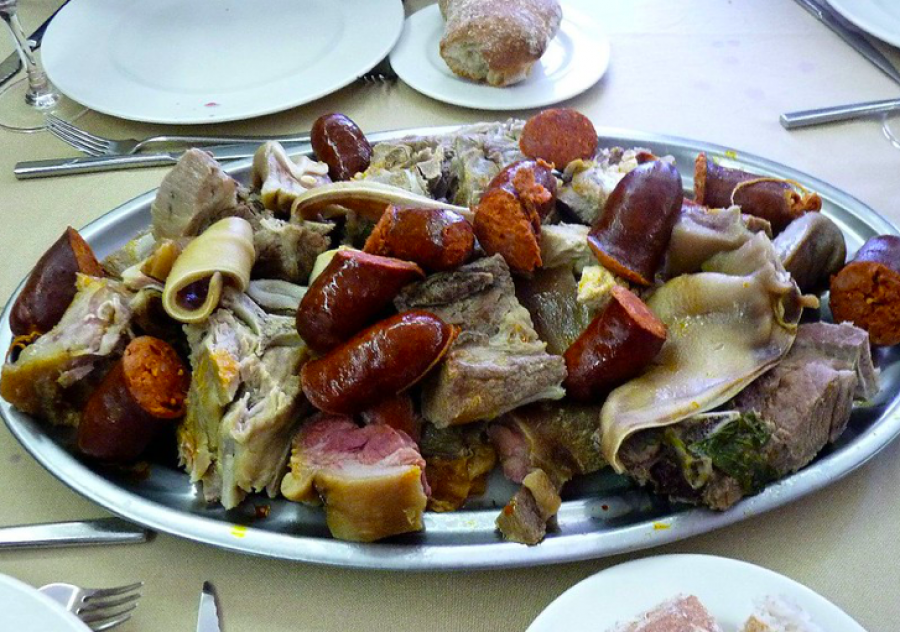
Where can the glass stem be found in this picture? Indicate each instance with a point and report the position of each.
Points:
(40, 91)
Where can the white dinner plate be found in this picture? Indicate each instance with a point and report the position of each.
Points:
(25, 609)
(575, 60)
(208, 61)
(880, 18)
(728, 588)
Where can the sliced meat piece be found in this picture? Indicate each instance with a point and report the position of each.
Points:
(459, 460)
(371, 480)
(53, 377)
(287, 251)
(556, 438)
(481, 382)
(565, 245)
(525, 518)
(551, 298)
(844, 347)
(281, 179)
(195, 189)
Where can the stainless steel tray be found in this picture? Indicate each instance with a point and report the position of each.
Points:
(602, 515)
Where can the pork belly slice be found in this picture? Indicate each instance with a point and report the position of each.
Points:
(479, 382)
(52, 378)
(543, 446)
(243, 401)
(371, 480)
(681, 614)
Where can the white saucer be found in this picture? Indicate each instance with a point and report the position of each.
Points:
(25, 609)
(575, 60)
(728, 588)
(208, 61)
(880, 18)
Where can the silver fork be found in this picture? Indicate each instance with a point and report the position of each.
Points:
(100, 608)
(94, 145)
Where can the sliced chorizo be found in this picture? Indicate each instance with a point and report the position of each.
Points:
(631, 235)
(436, 239)
(353, 291)
(559, 136)
(618, 344)
(377, 363)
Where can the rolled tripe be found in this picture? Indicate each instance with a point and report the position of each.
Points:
(497, 41)
(222, 254)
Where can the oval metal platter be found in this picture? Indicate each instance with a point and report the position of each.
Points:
(601, 515)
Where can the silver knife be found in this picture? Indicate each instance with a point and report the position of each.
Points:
(851, 35)
(11, 65)
(69, 166)
(208, 615)
(834, 113)
(59, 534)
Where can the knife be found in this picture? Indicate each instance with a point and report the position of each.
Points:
(835, 113)
(93, 164)
(851, 35)
(208, 615)
(11, 65)
(59, 534)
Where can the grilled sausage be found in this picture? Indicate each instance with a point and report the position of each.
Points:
(339, 143)
(866, 292)
(631, 235)
(147, 385)
(772, 199)
(50, 287)
(377, 363)
(352, 292)
(436, 239)
(559, 136)
(618, 344)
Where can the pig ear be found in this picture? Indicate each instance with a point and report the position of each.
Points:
(726, 327)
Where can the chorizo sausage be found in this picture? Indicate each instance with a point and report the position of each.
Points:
(339, 143)
(148, 384)
(377, 363)
(398, 412)
(352, 291)
(866, 292)
(618, 344)
(559, 136)
(772, 199)
(631, 235)
(436, 239)
(50, 287)
(543, 175)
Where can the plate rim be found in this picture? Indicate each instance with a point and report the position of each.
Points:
(499, 554)
(849, 10)
(690, 559)
(394, 15)
(431, 12)
(74, 623)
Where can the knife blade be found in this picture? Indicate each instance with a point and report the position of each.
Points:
(851, 35)
(59, 534)
(208, 614)
(93, 164)
(11, 65)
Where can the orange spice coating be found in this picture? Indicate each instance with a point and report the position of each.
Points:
(436, 239)
(156, 377)
(503, 226)
(559, 136)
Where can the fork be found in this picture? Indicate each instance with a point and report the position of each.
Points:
(94, 145)
(99, 608)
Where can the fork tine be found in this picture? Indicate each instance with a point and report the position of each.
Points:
(111, 592)
(76, 131)
(98, 604)
(76, 138)
(101, 627)
(74, 142)
(103, 617)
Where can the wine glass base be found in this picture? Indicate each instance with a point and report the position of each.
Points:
(17, 116)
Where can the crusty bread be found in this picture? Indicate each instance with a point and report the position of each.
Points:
(497, 41)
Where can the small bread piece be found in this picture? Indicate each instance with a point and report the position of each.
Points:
(497, 41)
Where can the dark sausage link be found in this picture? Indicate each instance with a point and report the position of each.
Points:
(436, 239)
(618, 344)
(631, 235)
(377, 363)
(350, 293)
(51, 286)
(771, 199)
(339, 143)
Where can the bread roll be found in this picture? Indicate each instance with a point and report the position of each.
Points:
(497, 41)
